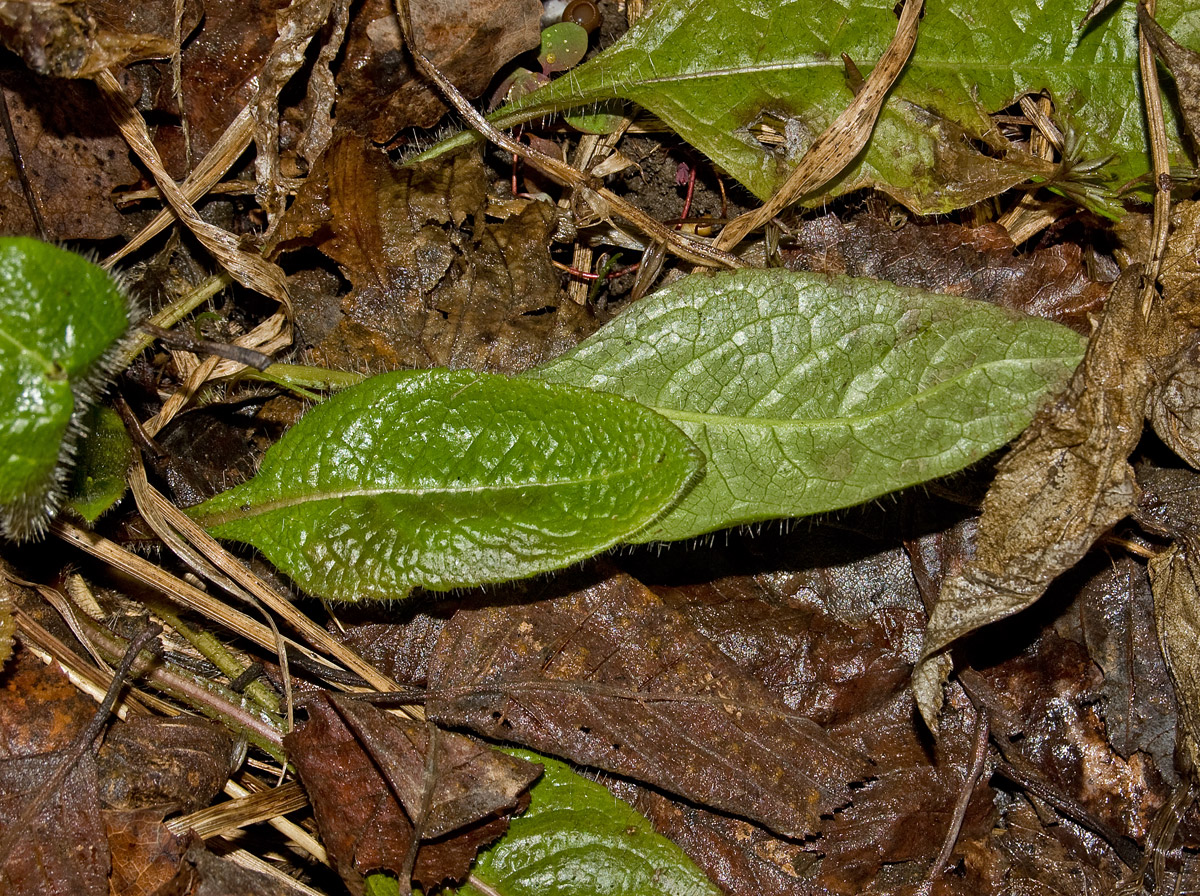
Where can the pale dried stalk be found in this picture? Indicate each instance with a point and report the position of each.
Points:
(242, 811)
(268, 337)
(230, 566)
(216, 162)
(844, 139)
(1159, 162)
(249, 269)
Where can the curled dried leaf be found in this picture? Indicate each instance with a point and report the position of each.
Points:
(1066, 481)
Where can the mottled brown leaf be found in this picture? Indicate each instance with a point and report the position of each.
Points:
(433, 282)
(1175, 403)
(739, 856)
(471, 781)
(1065, 482)
(903, 812)
(469, 42)
(362, 824)
(40, 710)
(1175, 578)
(974, 262)
(220, 63)
(1170, 500)
(63, 852)
(1049, 693)
(145, 854)
(1184, 66)
(181, 763)
(610, 677)
(1113, 616)
(73, 155)
(1040, 863)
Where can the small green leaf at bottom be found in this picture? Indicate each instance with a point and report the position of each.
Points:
(448, 479)
(577, 839)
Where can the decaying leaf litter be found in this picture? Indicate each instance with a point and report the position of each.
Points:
(750, 693)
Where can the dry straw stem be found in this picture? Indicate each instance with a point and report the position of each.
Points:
(212, 551)
(838, 144)
(249, 269)
(1159, 164)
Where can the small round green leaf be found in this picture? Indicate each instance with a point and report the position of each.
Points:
(60, 318)
(447, 479)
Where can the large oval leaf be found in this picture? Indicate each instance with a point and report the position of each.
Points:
(808, 393)
(446, 479)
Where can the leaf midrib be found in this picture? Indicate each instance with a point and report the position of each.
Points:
(256, 510)
(708, 419)
(6, 336)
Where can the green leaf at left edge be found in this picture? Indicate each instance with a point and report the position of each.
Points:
(448, 479)
(810, 393)
(61, 317)
(577, 839)
(714, 70)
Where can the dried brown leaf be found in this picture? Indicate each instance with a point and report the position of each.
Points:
(203, 874)
(903, 813)
(1175, 578)
(1174, 410)
(63, 851)
(1114, 613)
(64, 40)
(610, 677)
(362, 824)
(181, 763)
(145, 853)
(1065, 482)
(434, 283)
(974, 262)
(40, 710)
(72, 155)
(471, 781)
(380, 91)
(1170, 500)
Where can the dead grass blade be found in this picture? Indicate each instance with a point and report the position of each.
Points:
(249, 269)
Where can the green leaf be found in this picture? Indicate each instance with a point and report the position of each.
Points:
(714, 70)
(446, 479)
(98, 481)
(577, 839)
(60, 318)
(809, 393)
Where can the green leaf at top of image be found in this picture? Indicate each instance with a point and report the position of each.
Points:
(447, 479)
(577, 839)
(809, 393)
(61, 317)
(713, 70)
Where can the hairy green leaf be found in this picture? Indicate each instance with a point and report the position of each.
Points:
(808, 393)
(577, 839)
(98, 480)
(60, 318)
(716, 71)
(445, 479)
